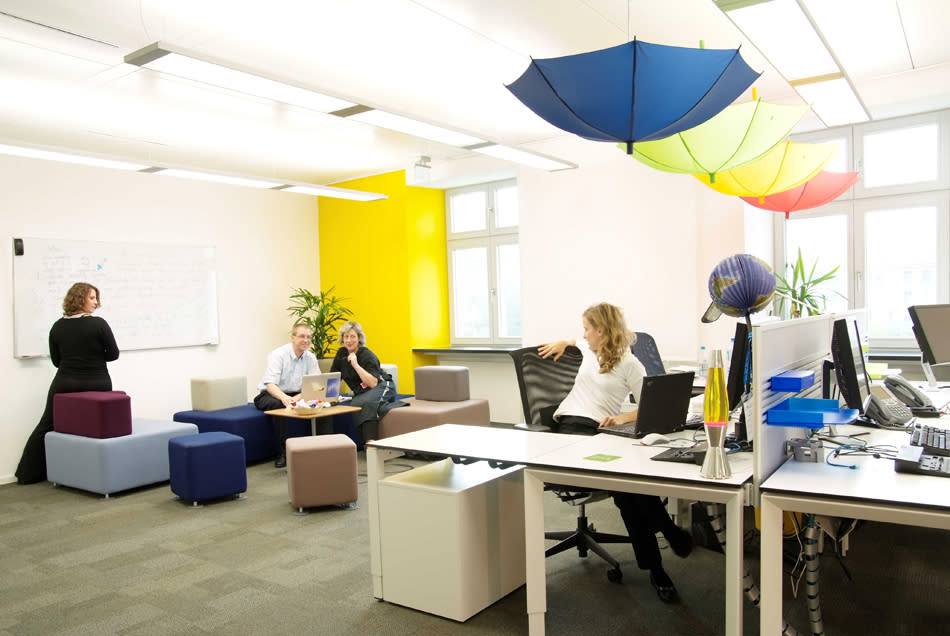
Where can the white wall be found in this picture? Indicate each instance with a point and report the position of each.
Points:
(614, 230)
(266, 243)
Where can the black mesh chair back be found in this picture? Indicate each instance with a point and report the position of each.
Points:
(544, 383)
(646, 352)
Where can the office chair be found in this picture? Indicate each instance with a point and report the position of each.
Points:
(544, 384)
(646, 352)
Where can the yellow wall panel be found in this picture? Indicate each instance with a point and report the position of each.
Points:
(388, 259)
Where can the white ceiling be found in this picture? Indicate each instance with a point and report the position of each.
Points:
(64, 85)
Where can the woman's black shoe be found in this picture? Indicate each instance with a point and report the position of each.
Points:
(281, 461)
(664, 586)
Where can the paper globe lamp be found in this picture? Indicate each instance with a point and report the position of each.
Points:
(739, 286)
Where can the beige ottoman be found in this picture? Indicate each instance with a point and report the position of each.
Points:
(321, 471)
(212, 394)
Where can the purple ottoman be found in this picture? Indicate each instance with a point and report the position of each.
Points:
(99, 414)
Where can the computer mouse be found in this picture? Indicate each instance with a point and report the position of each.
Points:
(652, 439)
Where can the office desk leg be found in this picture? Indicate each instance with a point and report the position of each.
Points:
(375, 470)
(535, 584)
(770, 607)
(734, 565)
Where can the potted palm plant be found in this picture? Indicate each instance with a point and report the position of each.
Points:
(801, 291)
(322, 312)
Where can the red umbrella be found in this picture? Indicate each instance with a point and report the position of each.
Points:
(819, 190)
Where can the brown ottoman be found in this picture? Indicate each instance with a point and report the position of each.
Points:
(321, 471)
(442, 397)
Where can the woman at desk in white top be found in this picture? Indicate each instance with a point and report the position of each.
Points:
(599, 389)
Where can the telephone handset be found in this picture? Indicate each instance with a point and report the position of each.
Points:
(906, 392)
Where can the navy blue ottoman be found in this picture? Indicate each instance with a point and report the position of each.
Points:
(207, 466)
(245, 421)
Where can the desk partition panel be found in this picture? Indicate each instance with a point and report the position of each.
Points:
(800, 344)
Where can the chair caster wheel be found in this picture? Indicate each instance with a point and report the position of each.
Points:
(614, 575)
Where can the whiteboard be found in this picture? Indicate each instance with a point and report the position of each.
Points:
(152, 295)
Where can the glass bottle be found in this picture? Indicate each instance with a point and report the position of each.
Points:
(715, 419)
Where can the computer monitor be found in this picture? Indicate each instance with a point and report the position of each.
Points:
(848, 359)
(740, 375)
(739, 366)
(931, 324)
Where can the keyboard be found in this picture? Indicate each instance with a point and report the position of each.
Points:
(689, 455)
(693, 421)
(911, 459)
(629, 429)
(932, 439)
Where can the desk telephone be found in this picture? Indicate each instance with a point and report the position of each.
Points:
(920, 405)
(888, 412)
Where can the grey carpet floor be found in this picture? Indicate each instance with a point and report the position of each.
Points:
(143, 563)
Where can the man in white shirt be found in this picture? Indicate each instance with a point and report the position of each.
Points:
(283, 379)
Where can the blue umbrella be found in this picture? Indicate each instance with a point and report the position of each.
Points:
(637, 91)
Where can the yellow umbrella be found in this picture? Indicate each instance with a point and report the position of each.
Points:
(784, 167)
(737, 136)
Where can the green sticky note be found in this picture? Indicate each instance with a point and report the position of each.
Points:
(600, 457)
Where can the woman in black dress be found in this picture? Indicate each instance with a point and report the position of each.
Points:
(80, 344)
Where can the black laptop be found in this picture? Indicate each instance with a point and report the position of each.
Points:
(663, 406)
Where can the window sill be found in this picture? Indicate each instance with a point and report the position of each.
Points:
(441, 351)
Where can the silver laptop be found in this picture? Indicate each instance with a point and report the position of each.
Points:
(322, 387)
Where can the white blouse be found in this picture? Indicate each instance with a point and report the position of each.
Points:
(598, 395)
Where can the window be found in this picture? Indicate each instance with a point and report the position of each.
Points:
(823, 241)
(902, 261)
(484, 264)
(890, 235)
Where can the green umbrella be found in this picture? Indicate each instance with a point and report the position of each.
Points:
(738, 135)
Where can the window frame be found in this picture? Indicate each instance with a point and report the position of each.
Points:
(941, 118)
(490, 239)
(862, 207)
(859, 200)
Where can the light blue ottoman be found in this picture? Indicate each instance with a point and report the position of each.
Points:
(113, 464)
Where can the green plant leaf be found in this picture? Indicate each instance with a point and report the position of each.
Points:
(801, 291)
(322, 312)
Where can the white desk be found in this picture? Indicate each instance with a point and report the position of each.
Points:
(557, 458)
(634, 471)
(872, 491)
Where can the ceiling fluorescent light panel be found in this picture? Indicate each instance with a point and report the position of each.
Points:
(34, 153)
(159, 57)
(833, 101)
(415, 128)
(217, 178)
(786, 37)
(524, 157)
(336, 193)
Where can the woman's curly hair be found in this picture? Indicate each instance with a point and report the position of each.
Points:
(617, 337)
(76, 298)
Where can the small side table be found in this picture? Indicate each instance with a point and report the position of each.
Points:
(339, 409)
